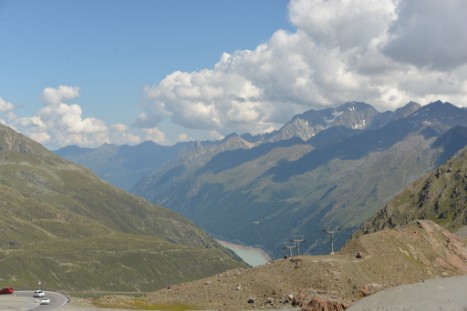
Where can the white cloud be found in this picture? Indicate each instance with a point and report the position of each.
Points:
(344, 24)
(430, 33)
(341, 50)
(155, 135)
(53, 97)
(6, 106)
(119, 134)
(145, 120)
(183, 137)
(64, 122)
(59, 123)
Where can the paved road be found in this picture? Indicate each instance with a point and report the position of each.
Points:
(24, 300)
(449, 294)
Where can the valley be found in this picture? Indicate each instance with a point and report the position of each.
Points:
(390, 193)
(183, 155)
(324, 169)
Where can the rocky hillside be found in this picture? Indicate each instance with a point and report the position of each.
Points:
(366, 265)
(352, 115)
(62, 225)
(440, 196)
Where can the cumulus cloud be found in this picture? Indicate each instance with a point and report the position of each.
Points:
(53, 97)
(430, 33)
(156, 135)
(119, 134)
(6, 106)
(343, 24)
(145, 120)
(386, 53)
(59, 123)
(64, 122)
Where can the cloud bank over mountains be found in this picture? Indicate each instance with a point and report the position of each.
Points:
(385, 53)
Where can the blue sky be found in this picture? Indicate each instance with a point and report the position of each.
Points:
(108, 45)
(124, 71)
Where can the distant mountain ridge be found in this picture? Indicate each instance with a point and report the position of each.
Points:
(262, 190)
(123, 165)
(64, 226)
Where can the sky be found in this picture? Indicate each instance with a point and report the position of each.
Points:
(86, 73)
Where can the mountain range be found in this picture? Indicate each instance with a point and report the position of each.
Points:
(63, 226)
(323, 170)
(400, 245)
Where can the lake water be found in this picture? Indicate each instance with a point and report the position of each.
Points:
(251, 255)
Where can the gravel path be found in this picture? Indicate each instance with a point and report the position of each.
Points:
(448, 294)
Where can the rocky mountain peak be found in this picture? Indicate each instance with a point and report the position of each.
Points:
(234, 141)
(406, 110)
(440, 116)
(354, 115)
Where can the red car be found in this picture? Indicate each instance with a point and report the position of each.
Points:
(7, 290)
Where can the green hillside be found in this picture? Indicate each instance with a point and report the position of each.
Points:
(63, 226)
(440, 196)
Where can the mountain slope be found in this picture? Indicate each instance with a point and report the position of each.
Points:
(62, 225)
(269, 194)
(385, 259)
(440, 196)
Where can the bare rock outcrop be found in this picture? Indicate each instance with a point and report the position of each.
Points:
(323, 304)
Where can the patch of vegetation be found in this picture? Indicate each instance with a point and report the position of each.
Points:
(141, 304)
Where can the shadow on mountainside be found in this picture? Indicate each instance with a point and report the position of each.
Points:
(351, 148)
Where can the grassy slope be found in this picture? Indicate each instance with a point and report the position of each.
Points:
(440, 196)
(62, 225)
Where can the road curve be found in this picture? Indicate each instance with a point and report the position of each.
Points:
(24, 301)
(448, 294)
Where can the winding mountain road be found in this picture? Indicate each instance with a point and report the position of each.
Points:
(448, 294)
(24, 300)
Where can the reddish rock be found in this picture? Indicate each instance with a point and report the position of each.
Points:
(365, 291)
(321, 304)
(299, 299)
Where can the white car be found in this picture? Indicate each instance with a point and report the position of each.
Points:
(39, 293)
(45, 301)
